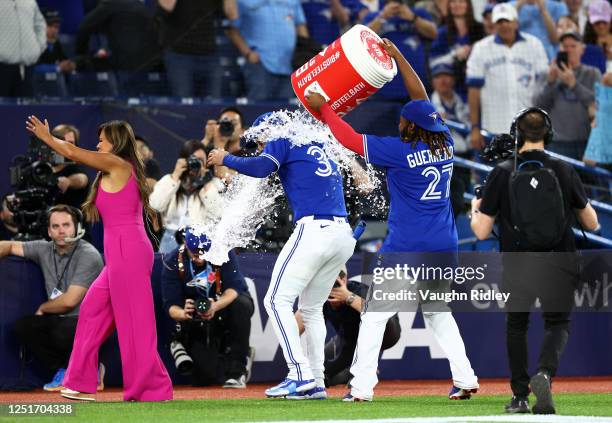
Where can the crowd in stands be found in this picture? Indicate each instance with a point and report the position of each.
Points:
(248, 48)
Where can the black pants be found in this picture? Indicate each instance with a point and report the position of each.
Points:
(339, 350)
(237, 322)
(49, 337)
(11, 82)
(553, 283)
(232, 328)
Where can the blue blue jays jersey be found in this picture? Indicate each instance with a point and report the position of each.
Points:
(311, 180)
(420, 215)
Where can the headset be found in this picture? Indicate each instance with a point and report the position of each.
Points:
(515, 130)
(76, 214)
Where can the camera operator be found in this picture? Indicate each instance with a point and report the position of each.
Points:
(8, 229)
(71, 178)
(536, 263)
(343, 311)
(69, 266)
(206, 302)
(225, 132)
(188, 195)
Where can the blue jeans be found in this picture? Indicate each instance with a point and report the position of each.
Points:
(184, 69)
(168, 242)
(263, 85)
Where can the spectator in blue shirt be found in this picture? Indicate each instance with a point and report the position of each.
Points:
(539, 18)
(265, 33)
(327, 18)
(455, 40)
(409, 29)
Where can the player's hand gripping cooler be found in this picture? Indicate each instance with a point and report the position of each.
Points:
(346, 72)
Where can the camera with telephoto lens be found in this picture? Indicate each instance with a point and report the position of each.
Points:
(36, 189)
(226, 127)
(182, 360)
(500, 148)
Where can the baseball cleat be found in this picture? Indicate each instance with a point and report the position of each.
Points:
(56, 383)
(461, 393)
(236, 383)
(540, 386)
(517, 406)
(316, 393)
(76, 395)
(351, 398)
(290, 386)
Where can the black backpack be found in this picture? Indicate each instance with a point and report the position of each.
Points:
(537, 206)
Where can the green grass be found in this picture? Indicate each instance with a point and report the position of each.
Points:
(284, 410)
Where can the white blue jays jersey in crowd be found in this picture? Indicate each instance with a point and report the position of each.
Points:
(311, 180)
(420, 216)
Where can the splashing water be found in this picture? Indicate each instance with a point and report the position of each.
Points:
(248, 201)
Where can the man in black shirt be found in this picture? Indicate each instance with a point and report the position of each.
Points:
(548, 275)
(72, 180)
(53, 59)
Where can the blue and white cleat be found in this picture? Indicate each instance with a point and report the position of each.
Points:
(56, 383)
(351, 398)
(461, 393)
(290, 386)
(316, 393)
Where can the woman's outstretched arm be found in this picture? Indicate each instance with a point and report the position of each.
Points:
(104, 162)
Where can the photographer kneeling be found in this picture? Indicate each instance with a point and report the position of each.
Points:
(207, 303)
(534, 199)
(189, 194)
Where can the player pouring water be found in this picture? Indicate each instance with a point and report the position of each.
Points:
(419, 166)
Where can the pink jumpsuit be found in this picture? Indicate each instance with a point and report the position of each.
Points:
(121, 298)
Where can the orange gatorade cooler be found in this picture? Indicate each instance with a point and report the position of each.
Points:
(346, 72)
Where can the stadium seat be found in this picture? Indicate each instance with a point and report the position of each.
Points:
(88, 84)
(49, 84)
(143, 84)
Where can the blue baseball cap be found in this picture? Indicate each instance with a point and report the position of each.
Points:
(197, 244)
(487, 9)
(276, 121)
(261, 118)
(424, 115)
(442, 68)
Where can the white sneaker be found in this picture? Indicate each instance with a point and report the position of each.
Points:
(76, 395)
(239, 383)
(249, 363)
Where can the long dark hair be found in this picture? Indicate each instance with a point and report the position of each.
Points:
(121, 136)
(475, 28)
(590, 36)
(436, 141)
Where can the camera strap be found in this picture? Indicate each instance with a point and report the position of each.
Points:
(58, 276)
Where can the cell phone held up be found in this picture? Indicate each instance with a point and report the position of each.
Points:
(562, 58)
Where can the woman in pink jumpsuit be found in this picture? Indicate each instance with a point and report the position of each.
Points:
(121, 296)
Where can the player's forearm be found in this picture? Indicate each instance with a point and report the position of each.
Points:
(412, 82)
(342, 130)
(257, 167)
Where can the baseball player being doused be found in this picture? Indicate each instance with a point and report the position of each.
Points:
(420, 219)
(309, 262)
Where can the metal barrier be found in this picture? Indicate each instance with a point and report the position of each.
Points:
(464, 130)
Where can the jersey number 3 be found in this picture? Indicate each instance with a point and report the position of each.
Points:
(432, 172)
(317, 152)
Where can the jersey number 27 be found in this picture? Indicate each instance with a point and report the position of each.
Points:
(431, 172)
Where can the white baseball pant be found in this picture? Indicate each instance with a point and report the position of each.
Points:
(307, 267)
(369, 341)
